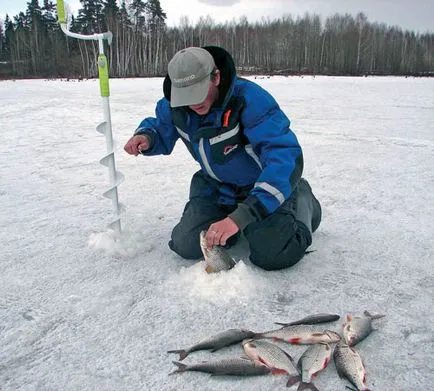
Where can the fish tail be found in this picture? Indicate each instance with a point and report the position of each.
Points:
(182, 353)
(307, 386)
(376, 316)
(293, 380)
(181, 368)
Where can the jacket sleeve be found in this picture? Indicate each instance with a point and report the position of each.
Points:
(161, 131)
(268, 131)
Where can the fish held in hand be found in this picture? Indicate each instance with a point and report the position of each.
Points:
(226, 366)
(313, 360)
(349, 365)
(217, 258)
(357, 328)
(313, 319)
(216, 342)
(300, 335)
(275, 358)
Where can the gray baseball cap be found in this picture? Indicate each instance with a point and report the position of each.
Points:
(190, 72)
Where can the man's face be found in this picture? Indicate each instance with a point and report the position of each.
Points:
(213, 94)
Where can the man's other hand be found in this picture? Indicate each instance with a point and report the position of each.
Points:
(137, 144)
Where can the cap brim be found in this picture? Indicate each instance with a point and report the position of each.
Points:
(190, 95)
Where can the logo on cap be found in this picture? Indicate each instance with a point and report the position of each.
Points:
(185, 79)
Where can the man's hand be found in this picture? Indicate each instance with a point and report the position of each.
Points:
(218, 233)
(137, 144)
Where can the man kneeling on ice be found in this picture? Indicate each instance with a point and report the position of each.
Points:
(251, 162)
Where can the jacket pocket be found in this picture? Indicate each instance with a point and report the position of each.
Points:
(226, 145)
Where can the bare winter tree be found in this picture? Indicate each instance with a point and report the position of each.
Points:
(33, 45)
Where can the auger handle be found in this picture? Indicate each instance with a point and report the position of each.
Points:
(61, 12)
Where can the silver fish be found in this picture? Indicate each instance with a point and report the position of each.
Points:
(216, 342)
(349, 364)
(313, 319)
(357, 328)
(216, 258)
(300, 335)
(274, 358)
(226, 366)
(314, 359)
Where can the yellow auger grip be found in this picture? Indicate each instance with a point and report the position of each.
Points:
(61, 12)
(103, 75)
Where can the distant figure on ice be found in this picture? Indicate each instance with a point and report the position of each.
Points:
(251, 162)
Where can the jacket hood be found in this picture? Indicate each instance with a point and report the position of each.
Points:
(225, 63)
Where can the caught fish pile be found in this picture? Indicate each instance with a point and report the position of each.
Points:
(263, 355)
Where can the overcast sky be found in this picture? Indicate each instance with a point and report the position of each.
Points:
(413, 15)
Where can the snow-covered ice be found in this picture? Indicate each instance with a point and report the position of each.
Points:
(80, 311)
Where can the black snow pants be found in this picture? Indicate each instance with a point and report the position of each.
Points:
(279, 241)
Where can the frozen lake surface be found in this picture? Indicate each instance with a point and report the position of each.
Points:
(80, 312)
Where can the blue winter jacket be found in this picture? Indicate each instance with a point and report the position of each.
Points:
(244, 143)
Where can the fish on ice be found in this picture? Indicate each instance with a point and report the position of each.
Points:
(226, 366)
(313, 319)
(357, 328)
(349, 365)
(217, 258)
(313, 360)
(216, 342)
(300, 335)
(275, 358)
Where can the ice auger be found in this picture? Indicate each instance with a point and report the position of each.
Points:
(104, 127)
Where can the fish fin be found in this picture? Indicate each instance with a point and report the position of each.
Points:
(326, 363)
(373, 317)
(182, 353)
(247, 358)
(218, 346)
(283, 324)
(350, 388)
(307, 386)
(275, 371)
(249, 341)
(308, 252)
(299, 366)
(181, 368)
(295, 340)
(263, 362)
(289, 356)
(293, 380)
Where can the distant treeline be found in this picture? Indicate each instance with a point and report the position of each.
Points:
(32, 44)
